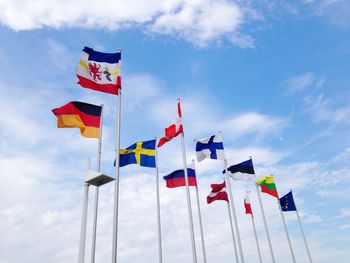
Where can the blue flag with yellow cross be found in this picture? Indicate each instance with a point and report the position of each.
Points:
(141, 153)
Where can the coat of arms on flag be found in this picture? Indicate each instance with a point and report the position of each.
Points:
(99, 71)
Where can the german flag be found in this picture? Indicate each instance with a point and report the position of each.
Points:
(81, 115)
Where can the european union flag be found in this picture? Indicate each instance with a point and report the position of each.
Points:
(287, 202)
(141, 153)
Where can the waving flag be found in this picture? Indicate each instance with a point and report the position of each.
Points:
(174, 129)
(99, 71)
(141, 153)
(287, 202)
(242, 171)
(247, 206)
(81, 115)
(218, 192)
(212, 148)
(177, 178)
(268, 185)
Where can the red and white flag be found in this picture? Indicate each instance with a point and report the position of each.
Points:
(174, 129)
(218, 192)
(248, 208)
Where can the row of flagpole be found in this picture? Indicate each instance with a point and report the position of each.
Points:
(108, 81)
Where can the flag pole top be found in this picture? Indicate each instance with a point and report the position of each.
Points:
(178, 99)
(119, 50)
(250, 157)
(102, 105)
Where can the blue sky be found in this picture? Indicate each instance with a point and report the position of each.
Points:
(273, 76)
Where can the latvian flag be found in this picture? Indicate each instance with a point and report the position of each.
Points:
(177, 178)
(218, 192)
(99, 71)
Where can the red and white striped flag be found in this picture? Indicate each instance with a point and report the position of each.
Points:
(174, 129)
(218, 192)
(248, 208)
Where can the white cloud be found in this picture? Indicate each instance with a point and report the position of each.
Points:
(300, 83)
(325, 110)
(197, 21)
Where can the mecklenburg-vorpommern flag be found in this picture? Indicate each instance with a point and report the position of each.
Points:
(242, 171)
(81, 115)
(99, 71)
(268, 185)
(287, 202)
(141, 153)
(177, 178)
(212, 148)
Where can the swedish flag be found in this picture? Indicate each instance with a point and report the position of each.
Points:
(141, 153)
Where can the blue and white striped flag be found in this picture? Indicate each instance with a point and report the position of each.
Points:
(211, 148)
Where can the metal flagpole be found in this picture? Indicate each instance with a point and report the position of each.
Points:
(286, 229)
(200, 222)
(97, 188)
(116, 186)
(233, 233)
(265, 224)
(256, 236)
(158, 211)
(194, 254)
(81, 256)
(234, 213)
(302, 231)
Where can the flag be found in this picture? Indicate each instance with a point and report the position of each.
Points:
(218, 192)
(141, 153)
(81, 115)
(174, 129)
(99, 71)
(287, 202)
(177, 178)
(242, 171)
(248, 207)
(212, 148)
(268, 185)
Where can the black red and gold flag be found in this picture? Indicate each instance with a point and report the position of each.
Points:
(81, 115)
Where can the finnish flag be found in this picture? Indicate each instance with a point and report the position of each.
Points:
(211, 148)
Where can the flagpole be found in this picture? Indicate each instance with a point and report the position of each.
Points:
(256, 236)
(303, 234)
(116, 186)
(160, 257)
(234, 212)
(200, 221)
(286, 229)
(81, 256)
(97, 188)
(265, 224)
(233, 233)
(194, 254)
(302, 231)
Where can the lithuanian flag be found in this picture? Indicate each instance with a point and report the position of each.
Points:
(81, 115)
(268, 185)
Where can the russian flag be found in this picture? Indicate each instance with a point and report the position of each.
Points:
(99, 71)
(177, 178)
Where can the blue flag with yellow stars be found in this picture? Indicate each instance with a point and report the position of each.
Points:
(287, 202)
(141, 153)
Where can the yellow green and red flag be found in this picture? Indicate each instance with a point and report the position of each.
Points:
(268, 185)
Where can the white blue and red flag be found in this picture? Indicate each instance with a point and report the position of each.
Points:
(177, 178)
(100, 71)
